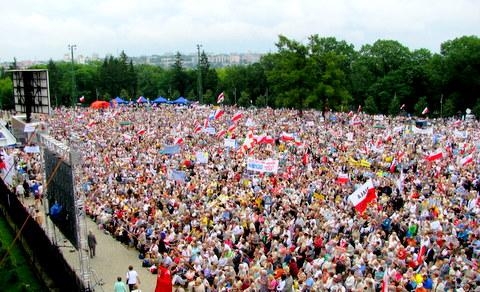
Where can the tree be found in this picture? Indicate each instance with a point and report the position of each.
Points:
(370, 106)
(178, 77)
(420, 105)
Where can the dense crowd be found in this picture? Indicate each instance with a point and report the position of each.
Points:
(191, 189)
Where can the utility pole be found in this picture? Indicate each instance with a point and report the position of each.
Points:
(441, 106)
(199, 75)
(71, 48)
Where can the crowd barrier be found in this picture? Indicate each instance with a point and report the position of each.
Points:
(44, 255)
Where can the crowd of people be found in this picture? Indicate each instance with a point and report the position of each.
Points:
(232, 199)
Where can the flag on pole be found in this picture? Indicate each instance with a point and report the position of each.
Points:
(425, 111)
(218, 114)
(359, 108)
(362, 196)
(403, 106)
(385, 281)
(466, 160)
(287, 137)
(141, 132)
(393, 165)
(342, 178)
(221, 133)
(82, 98)
(231, 128)
(237, 117)
(178, 141)
(435, 155)
(220, 97)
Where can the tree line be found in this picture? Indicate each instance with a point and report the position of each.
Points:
(323, 73)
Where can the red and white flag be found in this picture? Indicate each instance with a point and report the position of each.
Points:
(178, 140)
(385, 281)
(197, 128)
(342, 178)
(218, 113)
(220, 97)
(305, 158)
(140, 99)
(205, 123)
(393, 165)
(466, 160)
(359, 108)
(457, 123)
(237, 117)
(91, 123)
(363, 196)
(402, 107)
(287, 137)
(435, 155)
(425, 111)
(82, 98)
(141, 132)
(350, 114)
(221, 133)
(231, 128)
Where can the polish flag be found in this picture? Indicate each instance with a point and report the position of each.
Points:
(385, 281)
(248, 142)
(402, 107)
(268, 140)
(421, 254)
(231, 128)
(393, 165)
(218, 114)
(359, 108)
(82, 98)
(198, 128)
(178, 140)
(342, 178)
(434, 156)
(425, 111)
(305, 158)
(106, 159)
(400, 155)
(287, 137)
(350, 114)
(221, 133)
(466, 160)
(457, 123)
(362, 196)
(205, 123)
(237, 116)
(91, 123)
(141, 132)
(220, 97)
(139, 100)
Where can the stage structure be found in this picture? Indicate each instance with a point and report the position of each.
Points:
(61, 163)
(31, 92)
(66, 197)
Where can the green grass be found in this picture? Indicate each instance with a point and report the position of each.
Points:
(17, 273)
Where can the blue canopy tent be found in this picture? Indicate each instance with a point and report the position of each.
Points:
(119, 100)
(142, 99)
(160, 99)
(181, 100)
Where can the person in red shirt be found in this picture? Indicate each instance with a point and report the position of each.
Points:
(164, 279)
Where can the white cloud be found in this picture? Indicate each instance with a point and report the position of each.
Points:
(41, 30)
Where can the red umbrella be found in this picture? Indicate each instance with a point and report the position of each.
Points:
(100, 104)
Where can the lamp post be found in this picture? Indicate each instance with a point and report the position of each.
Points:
(199, 75)
(71, 48)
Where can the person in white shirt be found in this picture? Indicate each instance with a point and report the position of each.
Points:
(132, 279)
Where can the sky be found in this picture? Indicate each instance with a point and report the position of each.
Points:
(40, 30)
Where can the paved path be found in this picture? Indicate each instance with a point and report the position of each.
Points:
(112, 259)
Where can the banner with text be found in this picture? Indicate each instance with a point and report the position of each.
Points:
(268, 165)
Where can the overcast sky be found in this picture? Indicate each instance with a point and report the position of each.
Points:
(42, 30)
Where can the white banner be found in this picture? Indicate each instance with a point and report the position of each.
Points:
(269, 165)
(209, 130)
(428, 131)
(201, 157)
(29, 128)
(31, 149)
(230, 143)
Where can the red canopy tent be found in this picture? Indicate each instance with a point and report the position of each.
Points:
(100, 104)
